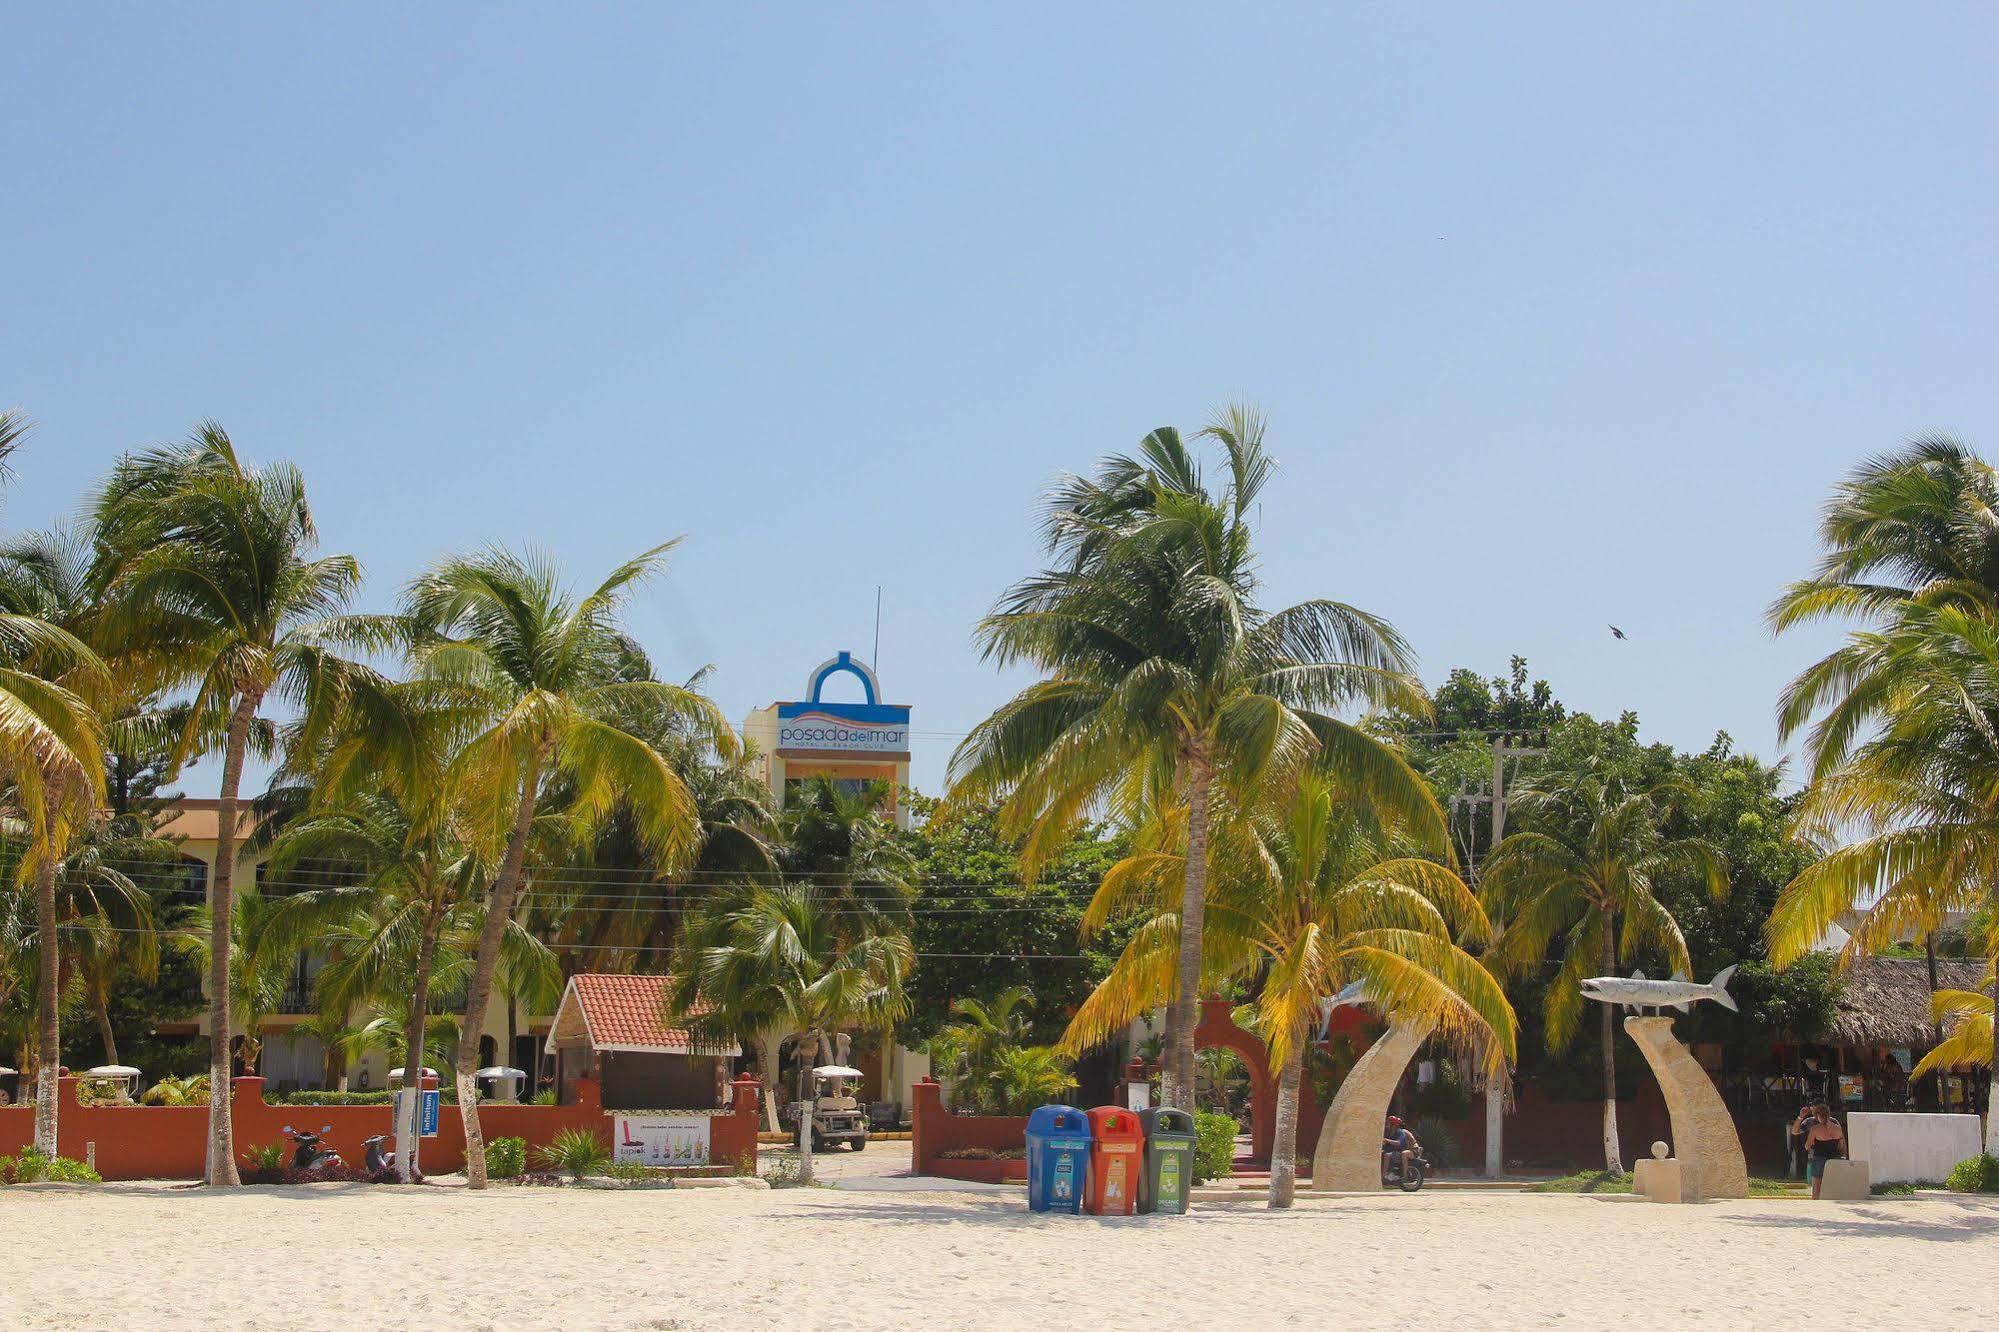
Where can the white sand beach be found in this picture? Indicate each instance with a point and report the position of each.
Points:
(889, 1257)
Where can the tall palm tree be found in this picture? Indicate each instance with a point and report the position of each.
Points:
(832, 833)
(206, 564)
(1972, 1041)
(785, 957)
(971, 1052)
(1922, 792)
(1163, 673)
(559, 686)
(1588, 870)
(1314, 890)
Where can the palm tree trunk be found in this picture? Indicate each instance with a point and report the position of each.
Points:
(104, 1032)
(1177, 1088)
(499, 910)
(1613, 1157)
(222, 915)
(48, 1062)
(806, 1104)
(407, 1130)
(1284, 1152)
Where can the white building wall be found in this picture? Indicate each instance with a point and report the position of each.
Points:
(1911, 1148)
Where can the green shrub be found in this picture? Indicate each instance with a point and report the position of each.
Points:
(578, 1151)
(329, 1098)
(785, 1172)
(631, 1172)
(1978, 1175)
(271, 1156)
(1440, 1145)
(507, 1158)
(1214, 1146)
(31, 1167)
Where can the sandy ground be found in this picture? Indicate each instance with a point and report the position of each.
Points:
(880, 1251)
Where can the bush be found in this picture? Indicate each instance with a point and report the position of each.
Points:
(1440, 1145)
(331, 1174)
(266, 1159)
(178, 1091)
(1978, 1175)
(507, 1158)
(328, 1098)
(578, 1151)
(1214, 1146)
(786, 1171)
(984, 1154)
(31, 1167)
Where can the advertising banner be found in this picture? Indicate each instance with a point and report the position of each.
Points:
(846, 728)
(661, 1139)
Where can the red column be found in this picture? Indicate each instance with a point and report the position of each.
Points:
(926, 1103)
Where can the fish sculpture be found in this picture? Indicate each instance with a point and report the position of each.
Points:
(1635, 991)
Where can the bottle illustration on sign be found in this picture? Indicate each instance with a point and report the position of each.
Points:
(1169, 1177)
(1114, 1181)
(1065, 1177)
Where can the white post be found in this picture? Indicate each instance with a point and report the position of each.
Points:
(1495, 1121)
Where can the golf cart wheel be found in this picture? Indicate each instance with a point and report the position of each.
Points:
(857, 1143)
(818, 1142)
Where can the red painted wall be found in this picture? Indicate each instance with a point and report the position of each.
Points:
(934, 1130)
(170, 1142)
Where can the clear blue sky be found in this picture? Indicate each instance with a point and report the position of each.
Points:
(1562, 315)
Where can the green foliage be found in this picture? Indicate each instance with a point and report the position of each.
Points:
(1978, 1175)
(1586, 1181)
(786, 1171)
(270, 1156)
(984, 1057)
(983, 930)
(31, 1167)
(1032, 1076)
(1440, 1145)
(177, 1091)
(625, 1172)
(1797, 1003)
(577, 1151)
(506, 1158)
(1448, 1097)
(1214, 1146)
(308, 1097)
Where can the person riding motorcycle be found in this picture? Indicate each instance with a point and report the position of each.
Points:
(1398, 1141)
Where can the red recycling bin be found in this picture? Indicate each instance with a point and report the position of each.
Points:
(1117, 1154)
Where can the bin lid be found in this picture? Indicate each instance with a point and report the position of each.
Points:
(1165, 1119)
(1050, 1119)
(1115, 1122)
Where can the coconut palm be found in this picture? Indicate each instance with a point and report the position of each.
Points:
(1162, 673)
(832, 833)
(1922, 793)
(1314, 890)
(785, 957)
(558, 685)
(205, 563)
(1966, 1016)
(971, 1052)
(1587, 870)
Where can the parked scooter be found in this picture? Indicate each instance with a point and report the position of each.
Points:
(311, 1155)
(380, 1162)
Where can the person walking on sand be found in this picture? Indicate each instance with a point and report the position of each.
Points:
(1825, 1141)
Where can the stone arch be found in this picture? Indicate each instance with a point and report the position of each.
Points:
(1218, 1030)
(1348, 1156)
(1705, 1140)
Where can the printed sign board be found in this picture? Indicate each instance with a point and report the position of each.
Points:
(845, 728)
(661, 1140)
(426, 1113)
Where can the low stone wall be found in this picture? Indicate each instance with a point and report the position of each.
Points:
(935, 1130)
(171, 1142)
(1911, 1148)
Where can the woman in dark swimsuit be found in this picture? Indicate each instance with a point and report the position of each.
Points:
(1825, 1141)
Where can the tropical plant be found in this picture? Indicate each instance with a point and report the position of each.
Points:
(172, 1090)
(1587, 871)
(506, 1158)
(266, 1158)
(1162, 674)
(1214, 1145)
(1315, 890)
(1922, 793)
(780, 957)
(832, 833)
(556, 685)
(33, 1166)
(576, 1150)
(1029, 1076)
(1965, 1017)
(1980, 1174)
(205, 565)
(970, 1053)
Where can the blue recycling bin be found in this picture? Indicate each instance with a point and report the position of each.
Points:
(1058, 1158)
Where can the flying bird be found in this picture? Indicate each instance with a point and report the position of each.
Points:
(1616, 631)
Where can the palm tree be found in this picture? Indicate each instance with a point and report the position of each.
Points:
(558, 685)
(783, 956)
(1972, 1041)
(832, 833)
(1922, 792)
(1162, 673)
(1588, 870)
(972, 1052)
(1315, 890)
(205, 563)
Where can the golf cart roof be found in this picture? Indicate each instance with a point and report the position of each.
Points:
(836, 1071)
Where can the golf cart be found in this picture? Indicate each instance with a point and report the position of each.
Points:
(836, 1116)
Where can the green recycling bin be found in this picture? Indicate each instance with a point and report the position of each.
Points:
(1168, 1174)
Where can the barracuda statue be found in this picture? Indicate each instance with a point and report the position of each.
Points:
(1635, 991)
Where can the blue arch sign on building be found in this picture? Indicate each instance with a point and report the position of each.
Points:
(819, 726)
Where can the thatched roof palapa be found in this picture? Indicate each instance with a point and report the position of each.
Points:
(1886, 1000)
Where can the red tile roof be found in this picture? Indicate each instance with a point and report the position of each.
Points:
(630, 1011)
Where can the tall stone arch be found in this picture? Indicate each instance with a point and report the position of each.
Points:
(1348, 1156)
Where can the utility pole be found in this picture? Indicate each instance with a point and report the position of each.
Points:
(1505, 745)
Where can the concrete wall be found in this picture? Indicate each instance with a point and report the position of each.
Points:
(1911, 1149)
(170, 1142)
(935, 1130)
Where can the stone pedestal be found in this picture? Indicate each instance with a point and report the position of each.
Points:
(1348, 1155)
(1705, 1146)
(1846, 1181)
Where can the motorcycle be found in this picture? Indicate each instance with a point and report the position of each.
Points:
(1410, 1180)
(311, 1155)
